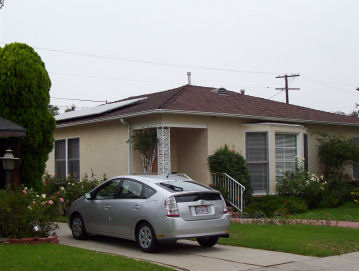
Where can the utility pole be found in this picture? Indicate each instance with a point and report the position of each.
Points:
(286, 88)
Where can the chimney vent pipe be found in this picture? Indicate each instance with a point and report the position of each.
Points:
(189, 77)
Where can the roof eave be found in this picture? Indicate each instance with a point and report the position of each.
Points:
(215, 114)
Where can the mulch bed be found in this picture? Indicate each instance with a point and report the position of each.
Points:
(33, 240)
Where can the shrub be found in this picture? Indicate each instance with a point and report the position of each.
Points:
(232, 163)
(24, 213)
(302, 184)
(69, 189)
(335, 153)
(336, 192)
(355, 196)
(274, 205)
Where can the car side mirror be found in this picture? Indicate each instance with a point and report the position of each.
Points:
(87, 196)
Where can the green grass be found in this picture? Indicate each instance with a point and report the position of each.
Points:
(308, 240)
(57, 257)
(346, 212)
(61, 218)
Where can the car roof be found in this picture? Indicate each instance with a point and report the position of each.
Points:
(157, 178)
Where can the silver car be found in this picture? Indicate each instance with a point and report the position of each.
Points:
(149, 209)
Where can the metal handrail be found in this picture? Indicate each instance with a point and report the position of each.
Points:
(233, 193)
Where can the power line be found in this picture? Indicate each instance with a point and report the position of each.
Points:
(275, 94)
(109, 78)
(81, 100)
(148, 62)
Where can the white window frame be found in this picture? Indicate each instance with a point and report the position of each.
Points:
(299, 151)
(259, 162)
(66, 155)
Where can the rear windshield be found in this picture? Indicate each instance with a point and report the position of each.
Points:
(179, 186)
(198, 196)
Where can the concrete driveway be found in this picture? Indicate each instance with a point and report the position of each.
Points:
(188, 255)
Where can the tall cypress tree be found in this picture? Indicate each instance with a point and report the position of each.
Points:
(24, 99)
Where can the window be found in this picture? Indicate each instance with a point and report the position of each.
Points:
(67, 157)
(306, 155)
(285, 153)
(257, 160)
(175, 186)
(356, 163)
(130, 190)
(108, 190)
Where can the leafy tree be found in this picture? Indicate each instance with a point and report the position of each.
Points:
(145, 141)
(234, 164)
(354, 114)
(335, 153)
(54, 110)
(24, 99)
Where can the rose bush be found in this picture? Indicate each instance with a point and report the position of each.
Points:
(69, 189)
(25, 213)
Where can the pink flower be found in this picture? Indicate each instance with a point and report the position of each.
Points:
(51, 202)
(24, 191)
(61, 200)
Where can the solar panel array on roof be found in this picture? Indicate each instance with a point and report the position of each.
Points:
(96, 110)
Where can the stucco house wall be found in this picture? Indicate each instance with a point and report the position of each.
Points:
(103, 148)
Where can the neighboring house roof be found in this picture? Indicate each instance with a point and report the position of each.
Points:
(190, 99)
(10, 129)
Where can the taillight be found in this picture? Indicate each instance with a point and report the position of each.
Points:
(171, 207)
(225, 210)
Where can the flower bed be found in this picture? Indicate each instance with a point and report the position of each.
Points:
(32, 240)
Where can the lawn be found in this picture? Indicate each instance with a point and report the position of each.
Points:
(61, 218)
(346, 212)
(308, 240)
(59, 257)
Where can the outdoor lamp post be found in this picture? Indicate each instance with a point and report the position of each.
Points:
(8, 163)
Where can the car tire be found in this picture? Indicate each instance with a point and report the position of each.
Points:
(146, 237)
(78, 228)
(207, 241)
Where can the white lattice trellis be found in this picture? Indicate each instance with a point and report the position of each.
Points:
(163, 150)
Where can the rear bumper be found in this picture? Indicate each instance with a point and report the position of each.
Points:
(178, 228)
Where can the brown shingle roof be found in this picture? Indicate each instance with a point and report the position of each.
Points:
(198, 99)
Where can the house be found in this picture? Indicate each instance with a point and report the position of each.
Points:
(9, 139)
(192, 122)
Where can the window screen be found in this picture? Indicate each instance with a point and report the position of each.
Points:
(306, 156)
(73, 157)
(285, 153)
(356, 163)
(257, 160)
(60, 158)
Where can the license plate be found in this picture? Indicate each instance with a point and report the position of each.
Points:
(201, 210)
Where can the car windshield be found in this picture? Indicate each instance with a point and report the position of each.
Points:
(178, 186)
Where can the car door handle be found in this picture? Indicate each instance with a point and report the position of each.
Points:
(108, 206)
(136, 207)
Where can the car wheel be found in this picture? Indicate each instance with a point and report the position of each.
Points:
(207, 241)
(146, 237)
(78, 228)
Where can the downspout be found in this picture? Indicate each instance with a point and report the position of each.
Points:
(129, 144)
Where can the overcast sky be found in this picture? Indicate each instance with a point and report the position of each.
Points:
(247, 42)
